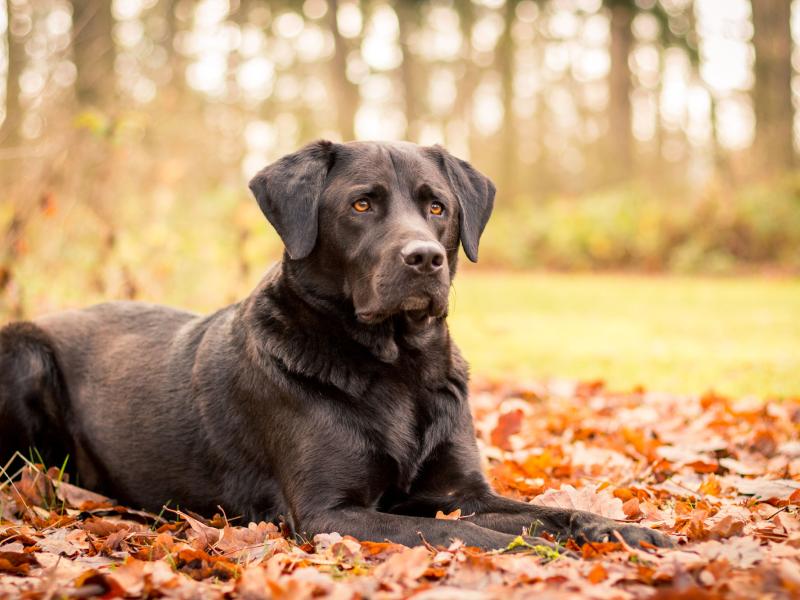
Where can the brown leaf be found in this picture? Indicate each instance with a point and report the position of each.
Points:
(762, 487)
(101, 528)
(204, 535)
(586, 498)
(80, 498)
(235, 540)
(453, 516)
(595, 549)
(64, 542)
(380, 550)
(17, 563)
(631, 508)
(727, 527)
(507, 425)
(96, 583)
(405, 567)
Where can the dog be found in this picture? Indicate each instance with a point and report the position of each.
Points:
(332, 398)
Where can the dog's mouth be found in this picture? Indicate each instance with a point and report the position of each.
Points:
(417, 308)
(416, 304)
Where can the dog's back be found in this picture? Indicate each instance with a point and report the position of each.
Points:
(65, 377)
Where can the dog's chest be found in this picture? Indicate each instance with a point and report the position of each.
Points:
(415, 420)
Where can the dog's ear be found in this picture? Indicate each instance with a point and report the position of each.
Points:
(288, 194)
(475, 194)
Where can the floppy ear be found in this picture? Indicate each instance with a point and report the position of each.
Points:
(475, 194)
(288, 194)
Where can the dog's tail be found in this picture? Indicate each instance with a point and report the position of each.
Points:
(33, 399)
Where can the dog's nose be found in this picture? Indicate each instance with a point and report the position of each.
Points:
(425, 257)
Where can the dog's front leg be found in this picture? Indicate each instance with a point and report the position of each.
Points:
(511, 516)
(452, 479)
(367, 524)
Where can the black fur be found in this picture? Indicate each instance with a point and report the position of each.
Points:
(331, 397)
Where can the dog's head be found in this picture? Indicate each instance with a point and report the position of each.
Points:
(377, 222)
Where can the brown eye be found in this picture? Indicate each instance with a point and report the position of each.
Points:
(361, 205)
(436, 208)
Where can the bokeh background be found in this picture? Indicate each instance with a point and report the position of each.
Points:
(647, 228)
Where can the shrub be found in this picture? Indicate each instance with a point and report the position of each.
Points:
(719, 230)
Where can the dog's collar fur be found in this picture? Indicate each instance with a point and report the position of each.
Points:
(307, 334)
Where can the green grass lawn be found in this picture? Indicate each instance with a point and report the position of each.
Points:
(737, 336)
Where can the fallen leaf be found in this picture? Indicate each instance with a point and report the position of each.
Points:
(507, 425)
(602, 503)
(406, 566)
(761, 487)
(80, 498)
(17, 563)
(597, 573)
(453, 516)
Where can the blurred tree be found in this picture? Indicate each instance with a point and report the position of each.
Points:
(678, 30)
(15, 47)
(772, 94)
(175, 59)
(468, 71)
(93, 47)
(619, 81)
(13, 226)
(345, 91)
(509, 159)
(409, 13)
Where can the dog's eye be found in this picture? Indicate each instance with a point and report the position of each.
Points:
(436, 208)
(361, 205)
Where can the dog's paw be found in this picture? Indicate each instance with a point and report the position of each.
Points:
(588, 527)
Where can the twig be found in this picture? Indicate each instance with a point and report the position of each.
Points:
(777, 512)
(426, 543)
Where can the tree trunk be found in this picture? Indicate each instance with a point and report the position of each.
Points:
(10, 238)
(619, 101)
(93, 47)
(9, 134)
(508, 132)
(175, 60)
(345, 92)
(407, 16)
(469, 76)
(772, 94)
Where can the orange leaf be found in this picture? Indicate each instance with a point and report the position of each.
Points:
(93, 578)
(631, 508)
(700, 466)
(453, 516)
(593, 549)
(597, 574)
(507, 425)
(508, 477)
(711, 486)
(380, 549)
(536, 465)
(623, 494)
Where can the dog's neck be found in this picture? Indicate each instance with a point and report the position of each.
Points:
(299, 323)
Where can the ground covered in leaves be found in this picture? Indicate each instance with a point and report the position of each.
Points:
(721, 475)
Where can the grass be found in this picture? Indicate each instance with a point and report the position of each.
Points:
(737, 336)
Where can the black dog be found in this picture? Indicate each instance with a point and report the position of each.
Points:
(332, 397)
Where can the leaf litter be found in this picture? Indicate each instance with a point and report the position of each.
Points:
(721, 475)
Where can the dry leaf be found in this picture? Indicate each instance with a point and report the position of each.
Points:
(602, 503)
(453, 516)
